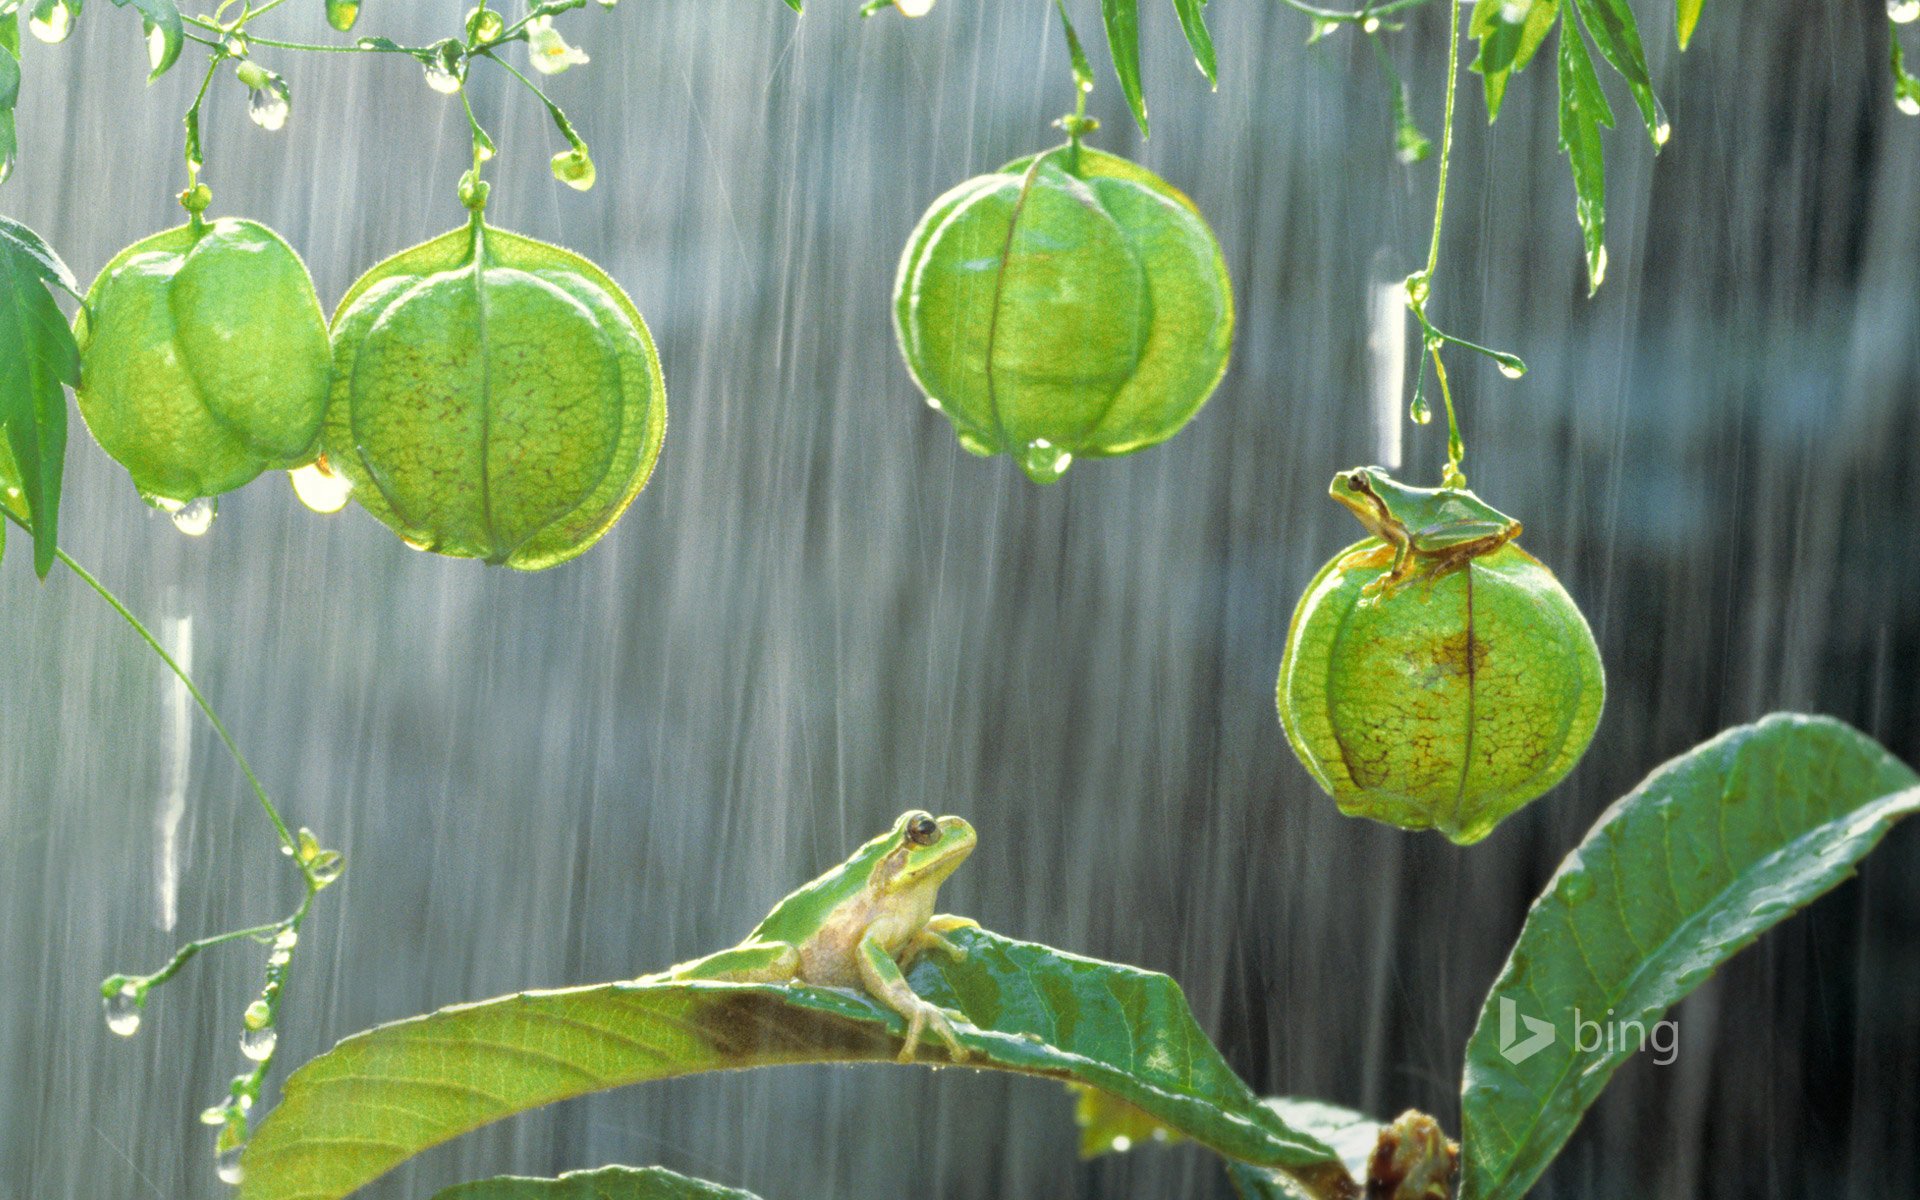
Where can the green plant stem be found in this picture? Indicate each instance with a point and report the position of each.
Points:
(186, 681)
(1446, 138)
(558, 114)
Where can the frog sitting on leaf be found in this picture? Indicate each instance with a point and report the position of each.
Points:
(859, 925)
(1433, 531)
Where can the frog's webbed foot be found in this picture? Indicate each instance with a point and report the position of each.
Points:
(884, 982)
(932, 936)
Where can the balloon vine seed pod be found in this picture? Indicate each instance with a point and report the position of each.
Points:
(1071, 304)
(204, 358)
(1436, 675)
(496, 397)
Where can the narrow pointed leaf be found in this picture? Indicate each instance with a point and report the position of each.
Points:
(1076, 54)
(1122, 19)
(1691, 867)
(607, 1183)
(382, 1096)
(1193, 23)
(1686, 16)
(165, 32)
(37, 357)
(1506, 47)
(1583, 110)
(1611, 25)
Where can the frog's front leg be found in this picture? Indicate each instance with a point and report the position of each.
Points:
(749, 962)
(885, 983)
(931, 936)
(1403, 563)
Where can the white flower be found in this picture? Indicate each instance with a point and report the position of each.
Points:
(551, 54)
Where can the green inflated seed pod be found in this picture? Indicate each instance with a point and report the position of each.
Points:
(496, 397)
(1072, 304)
(203, 359)
(1447, 703)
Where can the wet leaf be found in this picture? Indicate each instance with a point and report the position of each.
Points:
(1713, 849)
(1082, 73)
(164, 32)
(37, 356)
(1352, 1135)
(1686, 17)
(382, 1096)
(1507, 46)
(607, 1183)
(1122, 18)
(1193, 23)
(1583, 110)
(1611, 25)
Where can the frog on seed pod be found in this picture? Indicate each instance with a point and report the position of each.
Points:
(1436, 675)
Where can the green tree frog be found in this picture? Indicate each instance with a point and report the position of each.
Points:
(1432, 530)
(858, 925)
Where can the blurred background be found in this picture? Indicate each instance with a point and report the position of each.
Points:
(822, 612)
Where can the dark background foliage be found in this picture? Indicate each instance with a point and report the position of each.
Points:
(821, 612)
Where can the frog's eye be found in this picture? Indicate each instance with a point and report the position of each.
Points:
(922, 829)
(1357, 482)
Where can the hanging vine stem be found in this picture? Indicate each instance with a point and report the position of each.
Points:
(124, 996)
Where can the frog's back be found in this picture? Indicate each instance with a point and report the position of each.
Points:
(800, 914)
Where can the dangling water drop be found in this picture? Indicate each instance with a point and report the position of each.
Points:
(286, 939)
(440, 79)
(1599, 268)
(1903, 12)
(913, 8)
(973, 444)
(156, 46)
(51, 22)
(1908, 102)
(195, 518)
(258, 1044)
(123, 1010)
(484, 25)
(1511, 365)
(327, 866)
(1664, 130)
(217, 1115)
(1419, 412)
(574, 168)
(319, 488)
(1044, 462)
(226, 1165)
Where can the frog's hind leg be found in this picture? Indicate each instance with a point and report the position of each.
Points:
(754, 962)
(885, 983)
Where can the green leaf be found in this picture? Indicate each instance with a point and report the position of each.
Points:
(1122, 18)
(382, 1096)
(1193, 23)
(1686, 16)
(37, 356)
(1611, 25)
(1713, 849)
(1583, 110)
(1507, 46)
(161, 19)
(607, 1183)
(1082, 73)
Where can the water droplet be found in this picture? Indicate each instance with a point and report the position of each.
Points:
(1664, 130)
(1419, 413)
(1903, 12)
(1598, 267)
(286, 939)
(156, 46)
(123, 1009)
(440, 79)
(319, 488)
(1044, 462)
(1122, 1143)
(195, 518)
(327, 866)
(279, 958)
(51, 23)
(1908, 102)
(226, 1165)
(1320, 29)
(259, 1015)
(1511, 365)
(258, 1044)
(484, 25)
(1370, 25)
(166, 504)
(574, 168)
(974, 444)
(913, 8)
(412, 544)
(270, 103)
(217, 1115)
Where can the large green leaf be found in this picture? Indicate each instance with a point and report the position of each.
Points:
(1713, 849)
(1122, 19)
(1583, 110)
(37, 356)
(165, 32)
(1611, 24)
(382, 1096)
(607, 1183)
(1507, 46)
